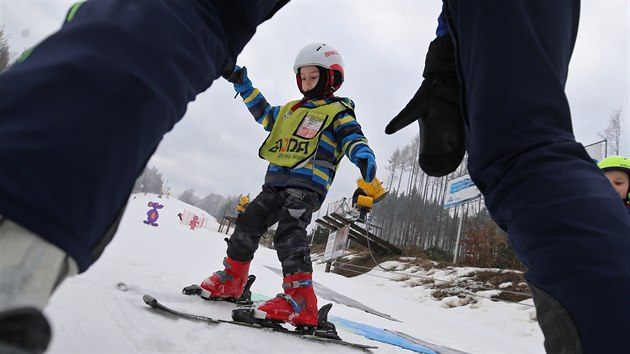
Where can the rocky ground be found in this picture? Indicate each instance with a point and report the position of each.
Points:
(452, 285)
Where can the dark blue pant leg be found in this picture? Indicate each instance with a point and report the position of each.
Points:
(80, 117)
(565, 222)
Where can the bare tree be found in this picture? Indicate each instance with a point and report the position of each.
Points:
(150, 181)
(406, 160)
(4, 51)
(392, 166)
(612, 133)
(415, 166)
(188, 196)
(214, 204)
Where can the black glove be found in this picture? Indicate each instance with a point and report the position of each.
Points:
(436, 108)
(235, 75)
(238, 77)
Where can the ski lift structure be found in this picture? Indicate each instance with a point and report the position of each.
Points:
(226, 223)
(229, 220)
(345, 224)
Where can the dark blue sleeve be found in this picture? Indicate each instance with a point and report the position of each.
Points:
(442, 28)
(83, 112)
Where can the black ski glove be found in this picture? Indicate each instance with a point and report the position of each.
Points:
(235, 75)
(436, 108)
(238, 77)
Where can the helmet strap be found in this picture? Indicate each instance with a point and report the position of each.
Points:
(330, 80)
(324, 87)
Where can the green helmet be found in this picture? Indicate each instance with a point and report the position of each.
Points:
(618, 163)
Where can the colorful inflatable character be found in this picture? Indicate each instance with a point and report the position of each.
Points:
(152, 214)
(193, 222)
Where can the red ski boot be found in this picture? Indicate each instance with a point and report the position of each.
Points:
(296, 306)
(228, 283)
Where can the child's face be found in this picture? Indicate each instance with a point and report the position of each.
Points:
(620, 181)
(309, 76)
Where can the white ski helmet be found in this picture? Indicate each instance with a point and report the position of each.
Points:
(322, 55)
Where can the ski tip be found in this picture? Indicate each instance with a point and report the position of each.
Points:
(149, 300)
(193, 289)
(122, 286)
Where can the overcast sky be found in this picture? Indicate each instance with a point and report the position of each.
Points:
(214, 149)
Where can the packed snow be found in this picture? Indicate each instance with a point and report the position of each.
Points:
(89, 313)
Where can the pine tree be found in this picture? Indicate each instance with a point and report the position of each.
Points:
(4, 51)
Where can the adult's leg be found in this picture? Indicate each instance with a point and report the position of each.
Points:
(563, 219)
(30, 269)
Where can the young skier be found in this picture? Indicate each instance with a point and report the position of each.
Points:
(617, 170)
(308, 139)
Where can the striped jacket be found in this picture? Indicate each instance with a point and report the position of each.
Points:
(342, 137)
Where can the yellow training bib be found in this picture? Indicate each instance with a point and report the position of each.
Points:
(295, 135)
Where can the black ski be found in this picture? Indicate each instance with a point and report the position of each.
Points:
(245, 312)
(155, 304)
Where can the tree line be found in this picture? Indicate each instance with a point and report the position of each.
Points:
(412, 217)
(151, 181)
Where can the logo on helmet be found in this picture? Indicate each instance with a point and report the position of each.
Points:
(331, 52)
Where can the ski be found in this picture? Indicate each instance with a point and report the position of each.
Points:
(245, 311)
(155, 304)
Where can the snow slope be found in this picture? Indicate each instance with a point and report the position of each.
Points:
(90, 314)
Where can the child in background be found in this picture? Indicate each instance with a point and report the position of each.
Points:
(617, 170)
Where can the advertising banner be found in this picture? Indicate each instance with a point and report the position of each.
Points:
(336, 243)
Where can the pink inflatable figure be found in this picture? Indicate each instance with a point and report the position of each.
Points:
(193, 222)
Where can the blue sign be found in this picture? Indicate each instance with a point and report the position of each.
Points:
(460, 190)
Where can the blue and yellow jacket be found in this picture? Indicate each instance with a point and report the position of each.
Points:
(342, 137)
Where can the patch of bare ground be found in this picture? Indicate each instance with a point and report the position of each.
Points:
(496, 284)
